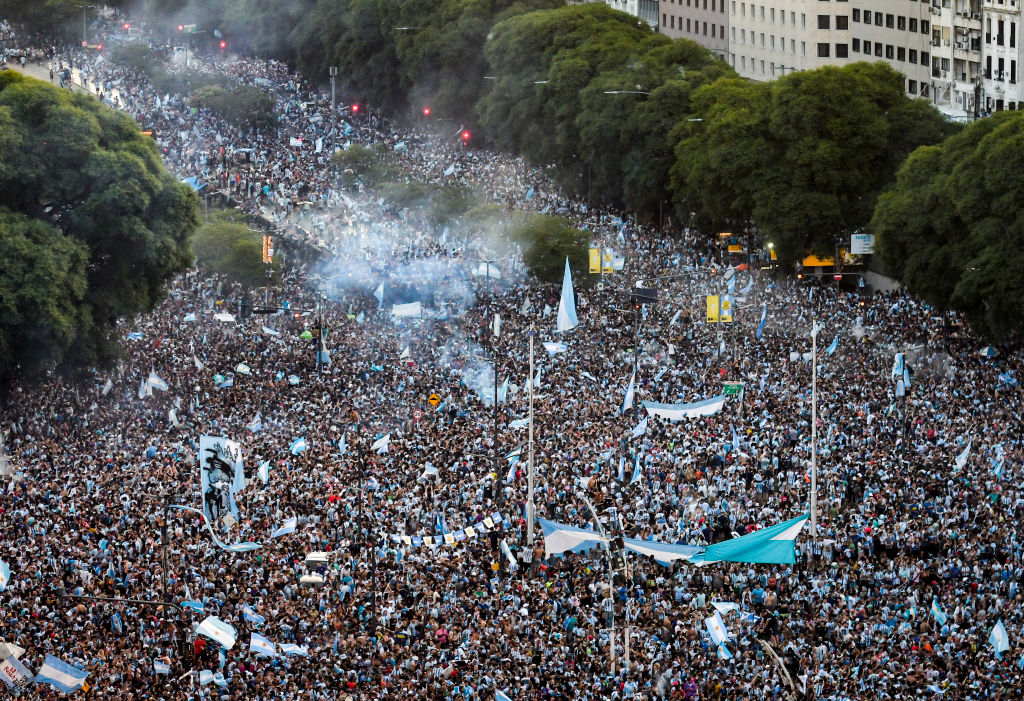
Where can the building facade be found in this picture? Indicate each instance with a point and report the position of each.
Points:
(965, 56)
(703, 21)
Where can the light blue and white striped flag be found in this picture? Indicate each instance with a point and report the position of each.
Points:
(999, 639)
(289, 527)
(501, 696)
(292, 649)
(218, 631)
(764, 320)
(60, 675)
(263, 471)
(832, 347)
(937, 613)
(249, 614)
(627, 401)
(298, 445)
(161, 667)
(5, 575)
(262, 646)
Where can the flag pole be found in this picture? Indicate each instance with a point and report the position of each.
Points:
(529, 473)
(814, 438)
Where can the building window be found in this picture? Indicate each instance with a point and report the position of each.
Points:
(842, 51)
(878, 19)
(912, 55)
(824, 21)
(901, 53)
(856, 45)
(890, 52)
(924, 62)
(672, 24)
(842, 22)
(867, 46)
(878, 49)
(901, 23)
(663, 24)
(912, 87)
(890, 21)
(913, 24)
(925, 29)
(856, 15)
(867, 16)
(687, 24)
(823, 50)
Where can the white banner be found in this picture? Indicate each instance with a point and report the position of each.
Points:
(862, 244)
(220, 476)
(413, 309)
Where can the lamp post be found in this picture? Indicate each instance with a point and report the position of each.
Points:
(333, 70)
(530, 508)
(84, 30)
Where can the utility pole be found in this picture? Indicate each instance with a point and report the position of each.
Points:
(814, 439)
(611, 581)
(529, 473)
(333, 70)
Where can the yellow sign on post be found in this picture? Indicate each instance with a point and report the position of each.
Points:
(606, 262)
(712, 309)
(595, 260)
(725, 315)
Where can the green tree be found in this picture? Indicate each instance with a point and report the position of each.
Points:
(547, 241)
(951, 231)
(71, 164)
(804, 158)
(244, 106)
(226, 246)
(370, 165)
(42, 290)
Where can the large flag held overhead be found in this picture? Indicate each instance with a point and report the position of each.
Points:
(775, 544)
(937, 613)
(381, 444)
(262, 646)
(218, 631)
(289, 527)
(60, 675)
(220, 476)
(567, 303)
(716, 628)
(999, 639)
(764, 319)
(676, 412)
(379, 294)
(5, 575)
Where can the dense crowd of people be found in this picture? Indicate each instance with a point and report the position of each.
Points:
(915, 561)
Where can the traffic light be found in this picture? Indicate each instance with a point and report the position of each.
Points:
(426, 111)
(223, 45)
(355, 109)
(465, 136)
(99, 47)
(181, 27)
(127, 26)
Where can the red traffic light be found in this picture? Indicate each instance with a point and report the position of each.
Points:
(127, 26)
(426, 111)
(181, 27)
(99, 47)
(223, 45)
(355, 108)
(465, 135)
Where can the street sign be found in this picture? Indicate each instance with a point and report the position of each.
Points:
(732, 388)
(726, 314)
(434, 400)
(712, 309)
(417, 415)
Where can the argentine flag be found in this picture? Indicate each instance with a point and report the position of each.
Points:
(764, 319)
(937, 613)
(262, 646)
(218, 631)
(380, 445)
(292, 649)
(832, 347)
(716, 629)
(636, 471)
(250, 615)
(962, 458)
(156, 382)
(263, 472)
(501, 696)
(5, 575)
(567, 303)
(60, 675)
(161, 667)
(298, 445)
(289, 527)
(999, 639)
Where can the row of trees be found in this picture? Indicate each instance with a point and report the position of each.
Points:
(91, 227)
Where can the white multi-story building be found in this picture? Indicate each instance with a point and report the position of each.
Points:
(1001, 50)
(963, 55)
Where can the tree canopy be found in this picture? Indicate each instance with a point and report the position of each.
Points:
(951, 229)
(547, 241)
(225, 245)
(594, 92)
(804, 157)
(84, 196)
